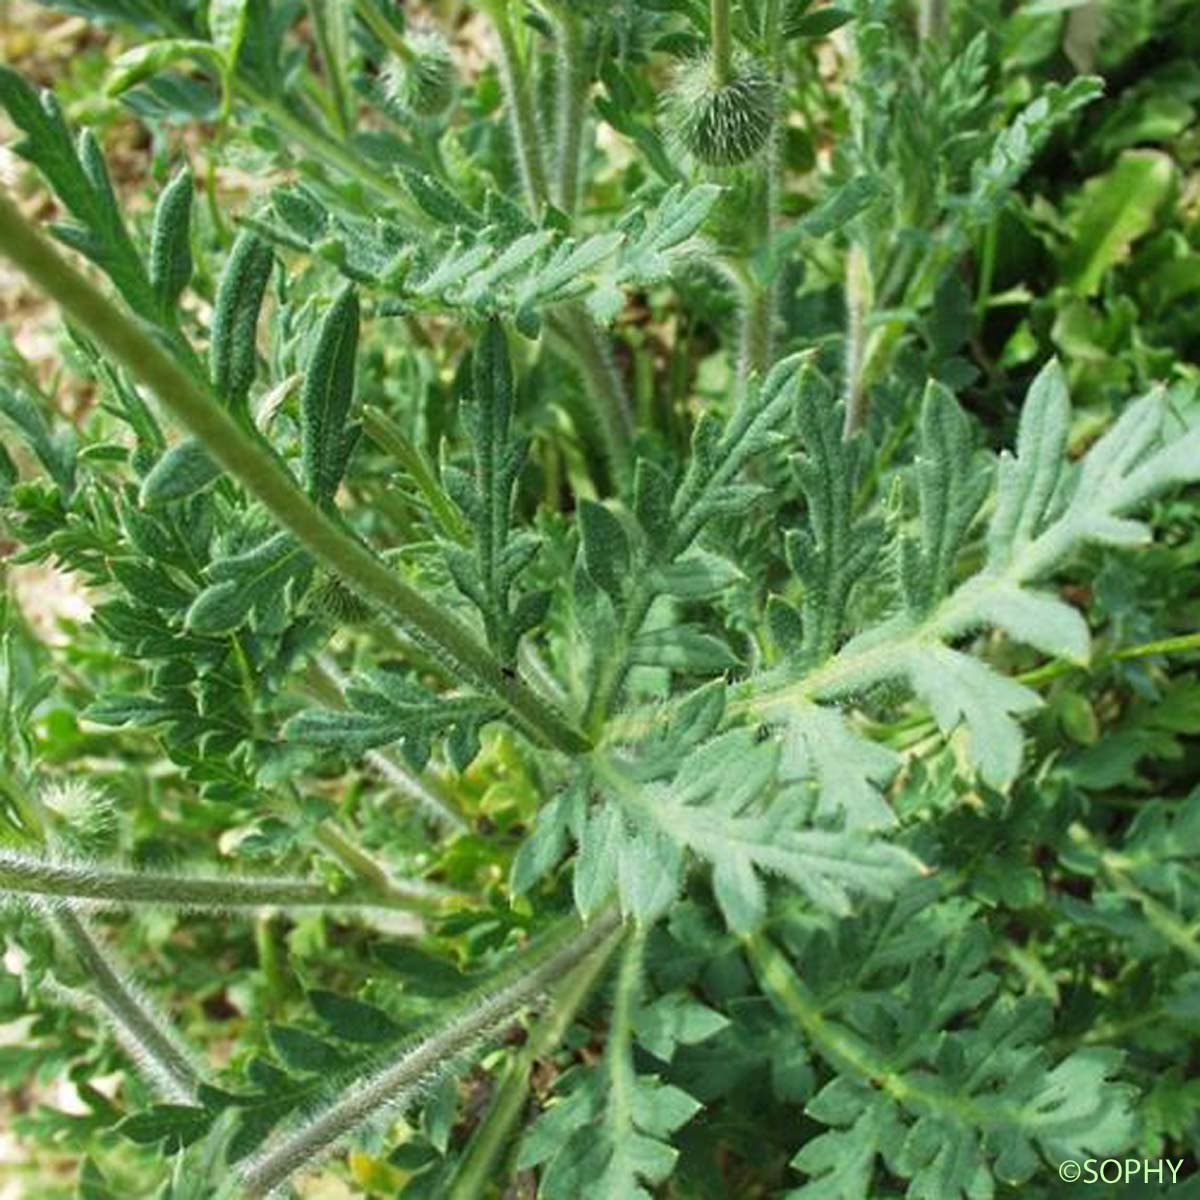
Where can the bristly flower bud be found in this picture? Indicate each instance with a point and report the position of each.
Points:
(86, 818)
(722, 124)
(425, 82)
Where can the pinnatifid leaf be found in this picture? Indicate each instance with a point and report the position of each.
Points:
(326, 398)
(233, 354)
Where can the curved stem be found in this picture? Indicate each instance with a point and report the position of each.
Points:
(839, 1046)
(399, 1081)
(921, 1092)
(1115, 868)
(361, 865)
(262, 474)
(441, 805)
(30, 875)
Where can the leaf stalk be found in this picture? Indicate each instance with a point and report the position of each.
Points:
(153, 1045)
(31, 875)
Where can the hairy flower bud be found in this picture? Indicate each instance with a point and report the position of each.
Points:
(722, 124)
(425, 82)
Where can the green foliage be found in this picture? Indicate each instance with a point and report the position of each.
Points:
(54, 451)
(1115, 209)
(171, 241)
(486, 497)
(79, 176)
(948, 1112)
(232, 356)
(834, 552)
(326, 398)
(388, 707)
(951, 485)
(726, 729)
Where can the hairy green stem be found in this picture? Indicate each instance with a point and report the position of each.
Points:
(329, 32)
(425, 791)
(146, 1035)
(722, 41)
(584, 345)
(852, 1055)
(987, 270)
(760, 304)
(1172, 645)
(358, 862)
(30, 875)
(572, 84)
(1182, 644)
(397, 1083)
(758, 316)
(262, 474)
(266, 943)
(619, 1051)
(842, 1048)
(601, 372)
(519, 98)
(478, 1168)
